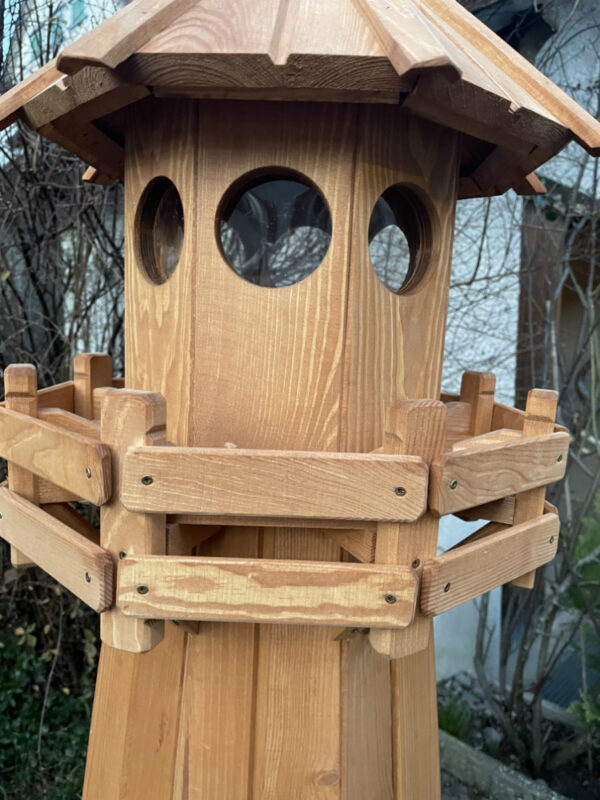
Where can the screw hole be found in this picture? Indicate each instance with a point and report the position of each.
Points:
(390, 599)
(142, 589)
(147, 480)
(122, 554)
(416, 563)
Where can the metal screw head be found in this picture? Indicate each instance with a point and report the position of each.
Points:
(147, 480)
(88, 472)
(391, 599)
(453, 483)
(0, 515)
(400, 491)
(88, 577)
(559, 458)
(416, 563)
(552, 540)
(142, 589)
(122, 554)
(447, 587)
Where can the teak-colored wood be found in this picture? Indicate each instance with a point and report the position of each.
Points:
(75, 562)
(90, 371)
(264, 590)
(481, 565)
(73, 461)
(477, 389)
(129, 418)
(20, 392)
(540, 413)
(220, 481)
(473, 476)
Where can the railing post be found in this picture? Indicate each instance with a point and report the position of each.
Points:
(20, 392)
(540, 414)
(415, 427)
(90, 371)
(130, 418)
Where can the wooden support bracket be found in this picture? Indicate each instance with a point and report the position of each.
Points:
(490, 558)
(90, 371)
(68, 556)
(130, 418)
(266, 590)
(274, 483)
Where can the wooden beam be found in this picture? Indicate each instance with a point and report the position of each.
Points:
(76, 563)
(272, 482)
(483, 564)
(58, 396)
(469, 478)
(458, 421)
(540, 413)
(270, 522)
(89, 143)
(359, 543)
(502, 510)
(413, 427)
(266, 590)
(128, 417)
(90, 94)
(20, 391)
(90, 371)
(77, 463)
(14, 99)
(477, 389)
(71, 422)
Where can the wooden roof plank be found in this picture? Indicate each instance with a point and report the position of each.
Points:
(11, 102)
(119, 36)
(585, 128)
(409, 42)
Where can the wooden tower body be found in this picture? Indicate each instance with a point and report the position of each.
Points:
(272, 469)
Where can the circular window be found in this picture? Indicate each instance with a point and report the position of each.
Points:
(274, 229)
(160, 229)
(399, 238)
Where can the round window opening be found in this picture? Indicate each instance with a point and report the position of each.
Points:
(274, 229)
(399, 238)
(160, 229)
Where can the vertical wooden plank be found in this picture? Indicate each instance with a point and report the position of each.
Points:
(20, 392)
(393, 351)
(130, 418)
(540, 414)
(217, 705)
(90, 371)
(477, 389)
(413, 427)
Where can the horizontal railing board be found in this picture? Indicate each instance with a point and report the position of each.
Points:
(471, 477)
(495, 558)
(218, 481)
(72, 559)
(74, 462)
(266, 590)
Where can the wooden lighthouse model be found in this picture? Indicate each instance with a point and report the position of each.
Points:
(273, 467)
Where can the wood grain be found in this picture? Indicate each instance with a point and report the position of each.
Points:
(477, 389)
(59, 455)
(90, 371)
(20, 391)
(266, 590)
(466, 572)
(497, 470)
(130, 417)
(274, 482)
(70, 558)
(70, 422)
(540, 413)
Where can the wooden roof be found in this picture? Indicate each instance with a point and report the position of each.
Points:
(431, 56)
